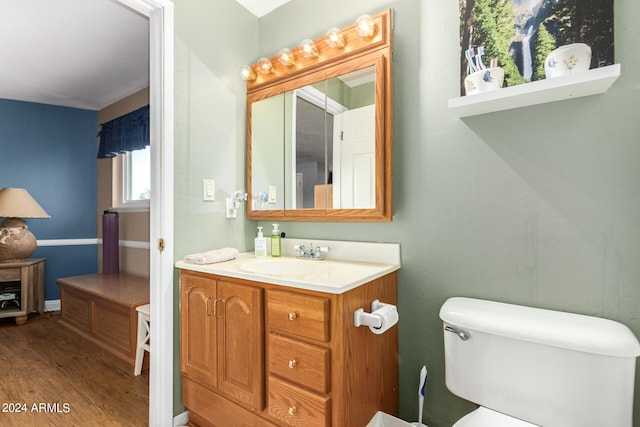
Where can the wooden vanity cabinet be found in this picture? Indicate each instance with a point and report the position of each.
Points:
(198, 355)
(222, 343)
(306, 362)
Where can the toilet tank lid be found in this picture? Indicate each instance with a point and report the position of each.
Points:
(554, 328)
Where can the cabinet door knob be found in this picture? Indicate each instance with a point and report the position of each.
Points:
(207, 309)
(293, 315)
(219, 314)
(292, 363)
(292, 410)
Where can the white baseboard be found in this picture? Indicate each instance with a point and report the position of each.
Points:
(181, 419)
(52, 305)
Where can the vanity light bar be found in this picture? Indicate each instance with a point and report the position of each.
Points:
(366, 34)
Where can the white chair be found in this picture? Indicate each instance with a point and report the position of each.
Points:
(143, 336)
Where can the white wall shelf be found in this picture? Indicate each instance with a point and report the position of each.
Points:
(592, 82)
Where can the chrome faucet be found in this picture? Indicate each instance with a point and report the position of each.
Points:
(311, 253)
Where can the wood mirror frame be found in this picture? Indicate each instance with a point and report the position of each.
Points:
(358, 53)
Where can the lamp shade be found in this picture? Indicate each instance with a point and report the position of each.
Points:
(18, 203)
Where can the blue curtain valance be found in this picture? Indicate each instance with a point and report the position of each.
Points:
(126, 133)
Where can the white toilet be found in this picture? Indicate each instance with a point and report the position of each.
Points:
(532, 367)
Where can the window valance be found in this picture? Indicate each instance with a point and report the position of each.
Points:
(126, 133)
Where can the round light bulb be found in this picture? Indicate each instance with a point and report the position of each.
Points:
(309, 49)
(264, 66)
(247, 73)
(335, 39)
(286, 57)
(366, 26)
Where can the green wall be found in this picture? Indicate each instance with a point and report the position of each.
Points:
(537, 206)
(213, 40)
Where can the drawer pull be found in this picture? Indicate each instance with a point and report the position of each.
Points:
(293, 315)
(292, 410)
(292, 363)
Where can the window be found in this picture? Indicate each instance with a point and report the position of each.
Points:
(136, 178)
(126, 138)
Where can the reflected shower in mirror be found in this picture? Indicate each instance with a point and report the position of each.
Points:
(313, 168)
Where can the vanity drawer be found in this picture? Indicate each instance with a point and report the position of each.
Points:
(293, 406)
(299, 314)
(304, 364)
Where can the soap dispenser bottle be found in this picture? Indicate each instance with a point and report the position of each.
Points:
(276, 241)
(260, 246)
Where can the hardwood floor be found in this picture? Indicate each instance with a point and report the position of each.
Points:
(51, 377)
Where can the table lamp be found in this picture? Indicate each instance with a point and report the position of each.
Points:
(16, 241)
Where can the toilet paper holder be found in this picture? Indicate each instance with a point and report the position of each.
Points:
(373, 319)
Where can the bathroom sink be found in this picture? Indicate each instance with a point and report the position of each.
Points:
(286, 267)
(351, 264)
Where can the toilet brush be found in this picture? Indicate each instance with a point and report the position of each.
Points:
(421, 388)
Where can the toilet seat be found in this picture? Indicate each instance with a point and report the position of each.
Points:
(484, 417)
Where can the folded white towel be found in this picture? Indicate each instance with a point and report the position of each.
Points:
(210, 257)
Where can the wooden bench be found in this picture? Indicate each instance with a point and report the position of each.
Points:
(102, 309)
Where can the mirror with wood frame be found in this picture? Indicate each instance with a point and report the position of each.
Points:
(319, 132)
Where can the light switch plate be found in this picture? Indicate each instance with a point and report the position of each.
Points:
(208, 190)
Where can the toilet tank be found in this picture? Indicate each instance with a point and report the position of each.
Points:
(546, 367)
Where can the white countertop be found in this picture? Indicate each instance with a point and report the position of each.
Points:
(329, 275)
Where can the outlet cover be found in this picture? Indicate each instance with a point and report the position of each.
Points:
(231, 210)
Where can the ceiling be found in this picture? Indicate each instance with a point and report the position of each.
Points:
(78, 53)
(261, 7)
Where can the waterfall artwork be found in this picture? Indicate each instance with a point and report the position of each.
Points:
(520, 34)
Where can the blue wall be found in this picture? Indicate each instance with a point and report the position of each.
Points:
(51, 152)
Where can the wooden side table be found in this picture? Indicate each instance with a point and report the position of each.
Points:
(21, 288)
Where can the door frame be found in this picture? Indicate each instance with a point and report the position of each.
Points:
(161, 76)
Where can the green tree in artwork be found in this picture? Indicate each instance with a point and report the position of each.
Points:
(493, 28)
(544, 45)
(502, 11)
